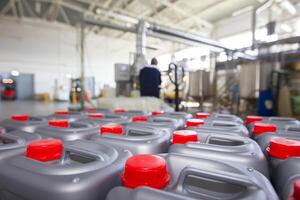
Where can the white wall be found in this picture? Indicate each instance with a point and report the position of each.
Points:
(51, 50)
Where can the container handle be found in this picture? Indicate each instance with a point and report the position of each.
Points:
(81, 152)
(227, 177)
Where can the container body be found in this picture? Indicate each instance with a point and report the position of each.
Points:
(75, 131)
(240, 150)
(138, 139)
(29, 126)
(202, 178)
(86, 171)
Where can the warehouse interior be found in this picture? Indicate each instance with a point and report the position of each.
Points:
(48, 48)
(149, 99)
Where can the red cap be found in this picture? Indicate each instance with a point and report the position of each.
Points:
(139, 119)
(96, 115)
(251, 119)
(112, 129)
(145, 170)
(60, 123)
(119, 111)
(261, 128)
(62, 112)
(157, 113)
(296, 193)
(193, 122)
(201, 115)
(45, 150)
(90, 109)
(284, 148)
(22, 118)
(184, 136)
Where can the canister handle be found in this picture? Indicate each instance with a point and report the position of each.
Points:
(226, 177)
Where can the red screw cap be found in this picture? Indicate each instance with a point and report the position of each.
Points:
(60, 123)
(112, 129)
(145, 170)
(261, 128)
(45, 150)
(154, 113)
(201, 115)
(193, 122)
(251, 119)
(90, 109)
(22, 118)
(184, 136)
(62, 112)
(283, 148)
(96, 115)
(296, 193)
(120, 111)
(139, 119)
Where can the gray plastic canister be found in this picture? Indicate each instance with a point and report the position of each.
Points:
(181, 117)
(263, 140)
(15, 142)
(97, 110)
(218, 126)
(69, 115)
(130, 113)
(23, 122)
(84, 170)
(136, 138)
(281, 123)
(219, 116)
(102, 118)
(68, 131)
(200, 178)
(285, 176)
(229, 148)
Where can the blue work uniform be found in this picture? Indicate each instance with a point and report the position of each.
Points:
(150, 80)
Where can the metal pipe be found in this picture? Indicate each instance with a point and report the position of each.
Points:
(256, 11)
(187, 36)
(82, 64)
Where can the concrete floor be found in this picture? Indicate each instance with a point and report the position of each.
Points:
(8, 108)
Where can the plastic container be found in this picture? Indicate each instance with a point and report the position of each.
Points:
(181, 117)
(103, 118)
(181, 177)
(136, 138)
(263, 140)
(163, 123)
(69, 115)
(218, 116)
(23, 122)
(97, 110)
(284, 155)
(237, 149)
(281, 123)
(217, 126)
(67, 131)
(130, 113)
(15, 141)
(75, 171)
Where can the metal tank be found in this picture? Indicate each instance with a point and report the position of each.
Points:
(199, 84)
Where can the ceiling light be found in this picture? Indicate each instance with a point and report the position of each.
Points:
(15, 73)
(288, 6)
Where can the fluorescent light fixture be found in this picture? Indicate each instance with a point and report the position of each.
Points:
(286, 28)
(15, 73)
(288, 6)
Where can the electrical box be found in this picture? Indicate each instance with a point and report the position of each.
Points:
(122, 72)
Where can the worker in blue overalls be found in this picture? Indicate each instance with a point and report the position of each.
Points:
(150, 79)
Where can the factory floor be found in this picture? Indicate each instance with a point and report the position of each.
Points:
(8, 108)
